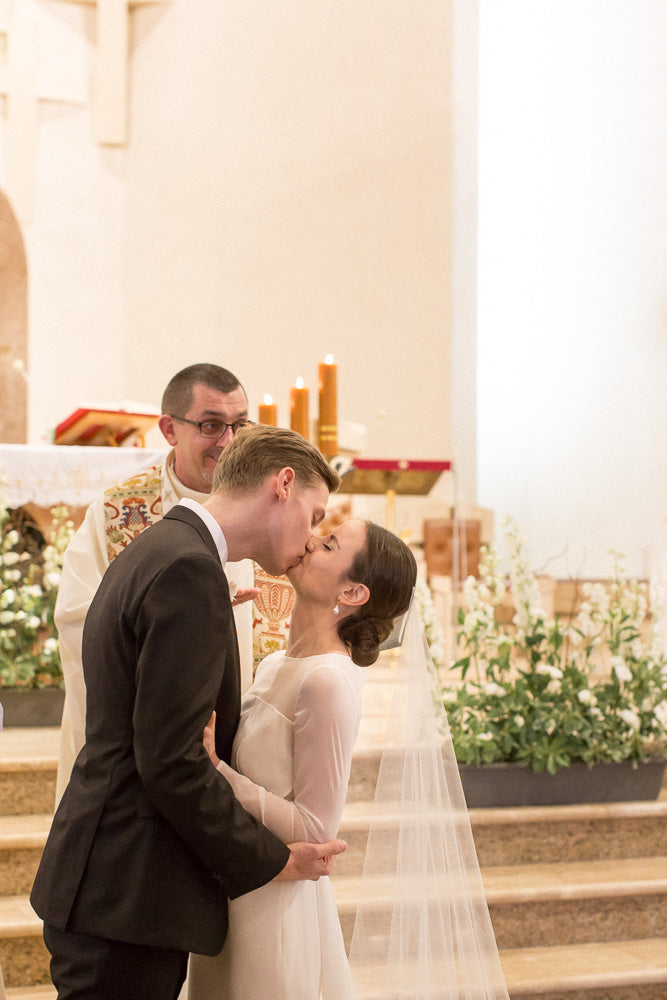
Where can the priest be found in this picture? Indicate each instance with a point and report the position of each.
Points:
(202, 408)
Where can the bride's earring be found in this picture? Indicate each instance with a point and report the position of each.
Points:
(336, 610)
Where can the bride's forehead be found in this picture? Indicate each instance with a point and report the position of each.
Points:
(352, 530)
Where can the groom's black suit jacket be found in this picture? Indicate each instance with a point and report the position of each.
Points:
(148, 841)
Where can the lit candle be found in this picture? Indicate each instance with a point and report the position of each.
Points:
(299, 419)
(268, 412)
(328, 426)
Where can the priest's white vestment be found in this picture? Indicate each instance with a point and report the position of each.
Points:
(116, 517)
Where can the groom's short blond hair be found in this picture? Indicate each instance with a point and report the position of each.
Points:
(259, 451)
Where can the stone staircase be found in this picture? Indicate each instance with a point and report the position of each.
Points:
(577, 894)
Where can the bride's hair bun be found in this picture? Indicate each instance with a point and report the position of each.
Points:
(364, 636)
(388, 568)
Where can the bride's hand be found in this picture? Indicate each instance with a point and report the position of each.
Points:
(209, 741)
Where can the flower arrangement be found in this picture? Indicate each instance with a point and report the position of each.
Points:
(29, 655)
(545, 693)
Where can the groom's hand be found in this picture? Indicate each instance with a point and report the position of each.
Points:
(311, 861)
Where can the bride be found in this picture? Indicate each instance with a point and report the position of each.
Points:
(291, 763)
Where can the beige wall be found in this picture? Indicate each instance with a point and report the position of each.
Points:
(288, 195)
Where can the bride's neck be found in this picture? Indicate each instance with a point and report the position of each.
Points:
(313, 631)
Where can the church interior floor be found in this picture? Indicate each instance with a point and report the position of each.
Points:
(577, 894)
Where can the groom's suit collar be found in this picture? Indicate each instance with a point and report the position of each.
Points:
(182, 513)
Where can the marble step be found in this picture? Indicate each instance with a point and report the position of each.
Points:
(28, 766)
(616, 970)
(531, 905)
(32, 993)
(535, 835)
(23, 955)
(22, 840)
(611, 970)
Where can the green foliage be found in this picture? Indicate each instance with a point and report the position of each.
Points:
(546, 694)
(29, 655)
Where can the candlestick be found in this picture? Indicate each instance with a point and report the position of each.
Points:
(268, 412)
(328, 425)
(298, 409)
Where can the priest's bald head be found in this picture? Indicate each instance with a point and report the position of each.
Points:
(203, 406)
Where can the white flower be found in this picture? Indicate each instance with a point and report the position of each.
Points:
(50, 645)
(10, 558)
(661, 713)
(13, 575)
(546, 668)
(6, 617)
(486, 737)
(12, 537)
(630, 718)
(519, 721)
(52, 579)
(620, 669)
(34, 622)
(636, 649)
(494, 689)
(586, 697)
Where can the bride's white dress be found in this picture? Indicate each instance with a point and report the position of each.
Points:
(291, 757)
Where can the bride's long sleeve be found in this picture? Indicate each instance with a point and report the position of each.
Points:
(326, 722)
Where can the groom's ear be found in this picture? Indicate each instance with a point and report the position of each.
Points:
(354, 595)
(284, 483)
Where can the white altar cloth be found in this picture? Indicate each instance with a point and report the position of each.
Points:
(48, 475)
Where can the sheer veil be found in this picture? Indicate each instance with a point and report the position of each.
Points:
(422, 929)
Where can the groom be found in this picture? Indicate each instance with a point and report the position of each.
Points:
(148, 841)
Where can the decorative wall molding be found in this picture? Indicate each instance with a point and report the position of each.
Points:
(110, 94)
(24, 83)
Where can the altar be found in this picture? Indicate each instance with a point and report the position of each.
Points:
(49, 475)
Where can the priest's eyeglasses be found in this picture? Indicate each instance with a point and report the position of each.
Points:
(213, 428)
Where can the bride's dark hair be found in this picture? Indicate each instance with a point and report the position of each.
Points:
(389, 570)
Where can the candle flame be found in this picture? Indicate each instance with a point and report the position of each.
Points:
(329, 359)
(268, 399)
(299, 383)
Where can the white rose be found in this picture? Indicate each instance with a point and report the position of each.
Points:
(546, 668)
(6, 617)
(10, 558)
(519, 721)
(630, 718)
(486, 737)
(50, 645)
(661, 713)
(34, 622)
(493, 688)
(13, 575)
(586, 697)
(620, 669)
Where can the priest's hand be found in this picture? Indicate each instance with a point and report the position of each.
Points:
(244, 594)
(311, 861)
